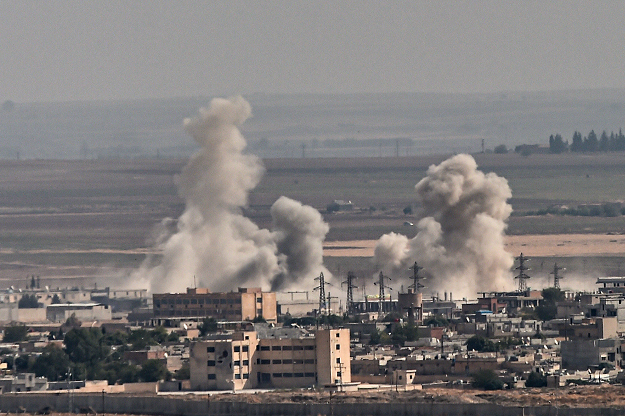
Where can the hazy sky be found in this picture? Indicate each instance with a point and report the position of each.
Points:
(73, 50)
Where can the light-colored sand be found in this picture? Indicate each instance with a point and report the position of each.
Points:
(556, 245)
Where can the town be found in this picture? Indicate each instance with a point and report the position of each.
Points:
(114, 341)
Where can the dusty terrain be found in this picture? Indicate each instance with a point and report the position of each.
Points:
(576, 396)
(550, 245)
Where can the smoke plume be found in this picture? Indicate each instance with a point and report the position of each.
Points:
(213, 244)
(460, 237)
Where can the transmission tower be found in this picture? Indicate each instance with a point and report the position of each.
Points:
(350, 291)
(382, 286)
(322, 293)
(522, 276)
(416, 284)
(556, 276)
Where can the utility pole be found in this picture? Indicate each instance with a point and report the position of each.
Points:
(330, 297)
(350, 291)
(556, 277)
(522, 276)
(322, 293)
(416, 285)
(382, 286)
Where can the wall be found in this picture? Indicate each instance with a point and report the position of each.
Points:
(188, 406)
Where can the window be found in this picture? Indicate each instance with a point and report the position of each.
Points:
(245, 348)
(237, 376)
(210, 349)
(287, 361)
(237, 349)
(246, 376)
(298, 375)
(338, 374)
(298, 361)
(210, 363)
(338, 346)
(186, 301)
(298, 348)
(309, 374)
(309, 347)
(222, 301)
(264, 348)
(277, 375)
(193, 301)
(338, 334)
(212, 376)
(309, 361)
(259, 312)
(265, 361)
(246, 362)
(276, 348)
(287, 375)
(276, 362)
(338, 360)
(237, 363)
(287, 348)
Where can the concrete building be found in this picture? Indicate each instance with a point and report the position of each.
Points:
(582, 354)
(83, 311)
(272, 357)
(244, 305)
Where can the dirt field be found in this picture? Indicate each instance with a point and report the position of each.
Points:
(555, 245)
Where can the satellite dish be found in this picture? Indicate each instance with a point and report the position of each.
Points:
(185, 326)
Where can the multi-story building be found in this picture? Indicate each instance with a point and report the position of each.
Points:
(275, 357)
(244, 305)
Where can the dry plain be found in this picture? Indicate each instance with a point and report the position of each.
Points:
(85, 222)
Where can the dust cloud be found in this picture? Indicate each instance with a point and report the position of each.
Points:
(460, 237)
(212, 244)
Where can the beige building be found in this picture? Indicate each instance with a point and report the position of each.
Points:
(244, 305)
(271, 358)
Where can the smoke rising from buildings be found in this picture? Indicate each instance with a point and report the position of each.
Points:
(213, 244)
(460, 237)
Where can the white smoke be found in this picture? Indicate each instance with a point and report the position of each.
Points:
(460, 237)
(213, 245)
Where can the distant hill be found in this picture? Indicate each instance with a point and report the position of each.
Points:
(311, 125)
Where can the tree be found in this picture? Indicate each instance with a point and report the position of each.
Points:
(152, 370)
(547, 310)
(85, 346)
(403, 333)
(184, 373)
(501, 149)
(556, 144)
(577, 144)
(52, 364)
(604, 142)
(536, 380)
(28, 301)
(487, 380)
(15, 333)
(481, 344)
(437, 321)
(55, 299)
(208, 325)
(591, 143)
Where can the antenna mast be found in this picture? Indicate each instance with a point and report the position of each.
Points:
(522, 276)
(556, 277)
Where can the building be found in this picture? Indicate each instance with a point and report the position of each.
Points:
(82, 311)
(582, 354)
(271, 358)
(244, 305)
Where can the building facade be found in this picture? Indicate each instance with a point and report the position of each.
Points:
(244, 360)
(244, 305)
